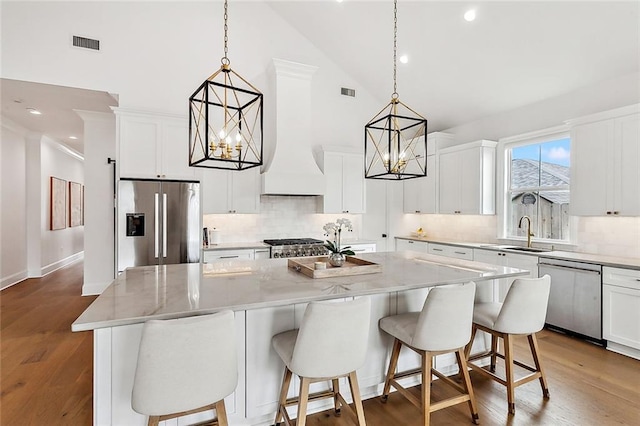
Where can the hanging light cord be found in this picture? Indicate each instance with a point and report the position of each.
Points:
(225, 59)
(394, 95)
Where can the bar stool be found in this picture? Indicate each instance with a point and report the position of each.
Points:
(331, 343)
(185, 366)
(523, 313)
(443, 326)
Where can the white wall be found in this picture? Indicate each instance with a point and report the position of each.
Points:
(29, 248)
(61, 246)
(13, 225)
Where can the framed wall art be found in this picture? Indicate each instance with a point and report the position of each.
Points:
(58, 204)
(75, 204)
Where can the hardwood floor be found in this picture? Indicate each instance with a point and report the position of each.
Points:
(46, 373)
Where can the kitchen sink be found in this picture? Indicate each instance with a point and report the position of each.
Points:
(527, 249)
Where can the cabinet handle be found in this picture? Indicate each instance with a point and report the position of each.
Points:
(227, 257)
(460, 252)
(608, 212)
(437, 249)
(417, 211)
(616, 212)
(411, 242)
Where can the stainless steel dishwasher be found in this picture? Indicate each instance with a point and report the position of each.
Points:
(575, 300)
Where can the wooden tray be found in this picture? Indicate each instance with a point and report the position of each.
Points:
(351, 266)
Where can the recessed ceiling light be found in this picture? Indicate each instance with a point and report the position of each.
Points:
(404, 59)
(470, 15)
(33, 111)
(73, 137)
(339, 1)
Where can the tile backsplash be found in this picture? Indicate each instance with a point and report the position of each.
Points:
(297, 217)
(279, 217)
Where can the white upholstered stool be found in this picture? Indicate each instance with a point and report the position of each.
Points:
(443, 326)
(523, 313)
(185, 366)
(331, 343)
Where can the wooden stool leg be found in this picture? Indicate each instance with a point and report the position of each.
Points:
(357, 398)
(426, 387)
(466, 383)
(336, 390)
(393, 363)
(302, 402)
(467, 349)
(494, 351)
(286, 381)
(535, 351)
(153, 421)
(508, 360)
(221, 413)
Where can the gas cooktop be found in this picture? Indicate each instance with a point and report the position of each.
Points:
(292, 242)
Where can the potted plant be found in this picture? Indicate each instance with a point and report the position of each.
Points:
(338, 253)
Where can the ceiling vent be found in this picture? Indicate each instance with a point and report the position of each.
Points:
(348, 92)
(86, 43)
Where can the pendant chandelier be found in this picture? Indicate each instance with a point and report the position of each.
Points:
(395, 144)
(225, 119)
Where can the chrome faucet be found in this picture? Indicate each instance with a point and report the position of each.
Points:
(529, 233)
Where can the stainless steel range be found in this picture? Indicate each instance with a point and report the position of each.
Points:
(296, 247)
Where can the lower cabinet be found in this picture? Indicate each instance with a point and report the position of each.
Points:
(362, 248)
(210, 256)
(513, 260)
(621, 310)
(402, 244)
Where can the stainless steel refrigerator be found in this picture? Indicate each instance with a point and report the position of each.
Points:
(158, 222)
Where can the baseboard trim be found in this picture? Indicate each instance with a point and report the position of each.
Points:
(16, 278)
(94, 289)
(62, 263)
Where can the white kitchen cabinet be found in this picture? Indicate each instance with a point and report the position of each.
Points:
(226, 191)
(344, 182)
(457, 252)
(621, 310)
(605, 152)
(513, 260)
(466, 178)
(361, 248)
(420, 193)
(152, 145)
(402, 244)
(210, 256)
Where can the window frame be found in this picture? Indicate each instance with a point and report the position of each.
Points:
(504, 176)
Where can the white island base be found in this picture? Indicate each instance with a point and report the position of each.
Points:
(267, 299)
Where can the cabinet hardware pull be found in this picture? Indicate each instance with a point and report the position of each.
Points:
(460, 252)
(227, 257)
(615, 212)
(546, 265)
(436, 249)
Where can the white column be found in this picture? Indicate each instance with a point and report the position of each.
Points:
(99, 239)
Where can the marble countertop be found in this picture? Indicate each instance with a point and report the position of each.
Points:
(613, 261)
(174, 291)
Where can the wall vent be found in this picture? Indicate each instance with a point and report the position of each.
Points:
(86, 43)
(348, 92)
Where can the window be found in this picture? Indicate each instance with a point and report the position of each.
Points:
(538, 182)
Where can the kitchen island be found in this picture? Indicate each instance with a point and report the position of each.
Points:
(267, 298)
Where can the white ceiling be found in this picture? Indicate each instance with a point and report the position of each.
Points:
(515, 53)
(57, 105)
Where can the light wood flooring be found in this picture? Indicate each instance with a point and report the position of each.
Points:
(46, 372)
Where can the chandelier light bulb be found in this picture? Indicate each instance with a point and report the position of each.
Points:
(222, 134)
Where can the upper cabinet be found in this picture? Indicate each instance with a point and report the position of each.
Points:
(420, 194)
(605, 153)
(153, 146)
(344, 182)
(228, 191)
(466, 178)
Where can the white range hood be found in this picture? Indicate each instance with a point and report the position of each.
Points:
(293, 170)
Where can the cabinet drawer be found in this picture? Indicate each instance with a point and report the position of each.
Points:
(451, 251)
(628, 278)
(218, 255)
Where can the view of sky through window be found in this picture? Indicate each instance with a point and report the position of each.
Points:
(555, 152)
